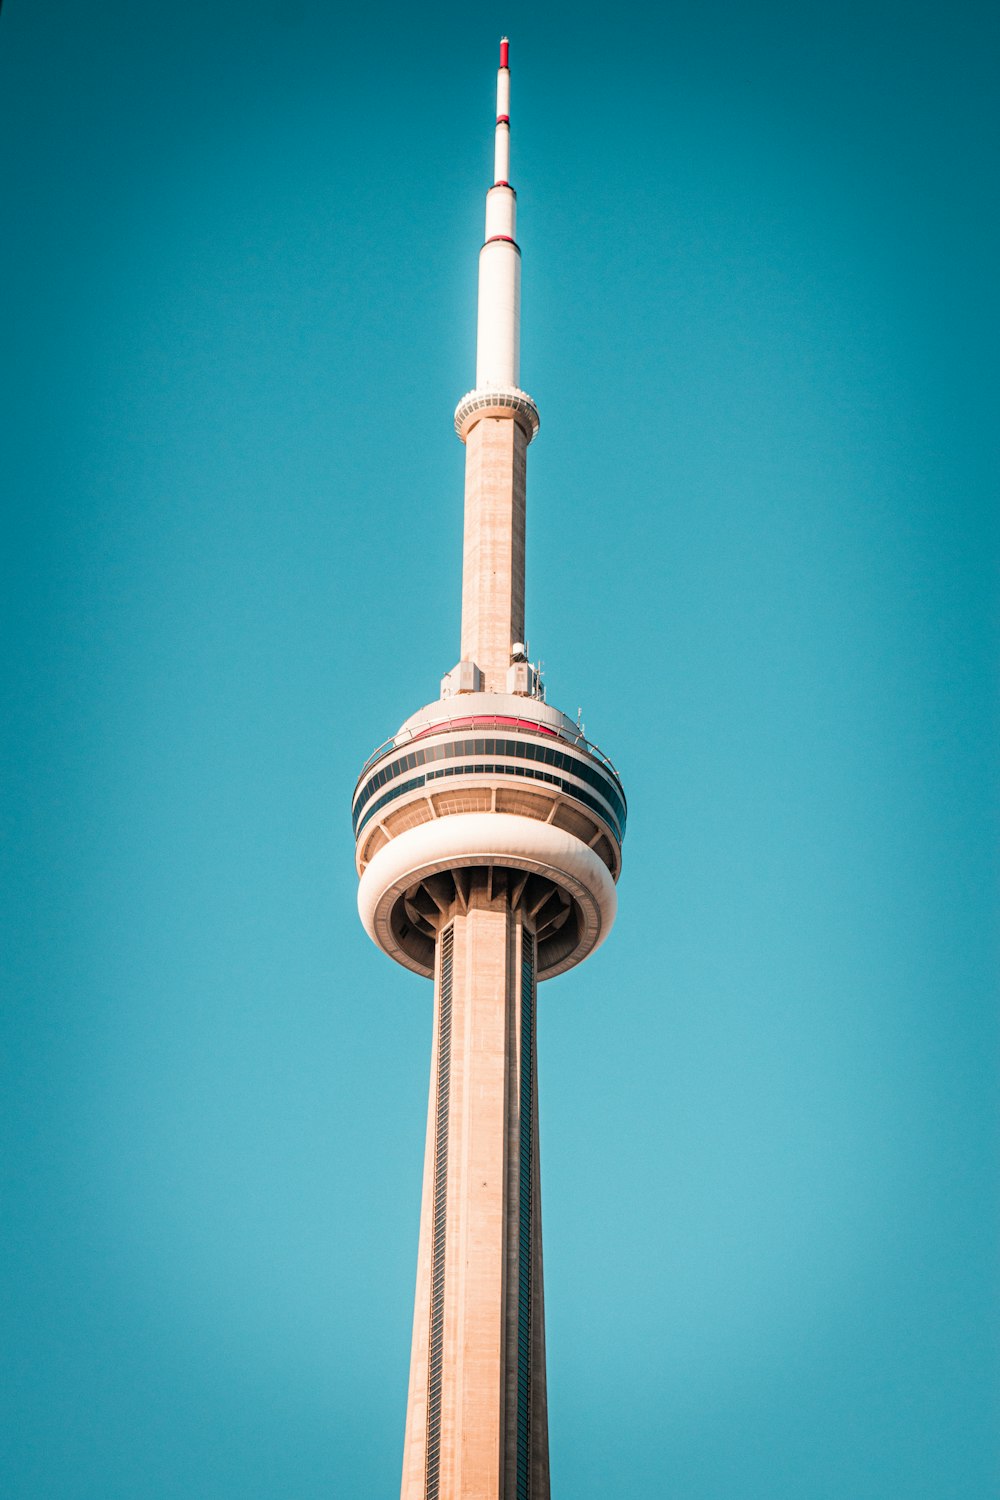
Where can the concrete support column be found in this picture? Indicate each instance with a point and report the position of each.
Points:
(493, 558)
(462, 1414)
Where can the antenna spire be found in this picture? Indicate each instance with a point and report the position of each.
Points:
(496, 421)
(501, 153)
(498, 334)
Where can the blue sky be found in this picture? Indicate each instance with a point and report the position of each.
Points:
(760, 319)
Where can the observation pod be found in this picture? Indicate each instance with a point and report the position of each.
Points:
(500, 784)
(488, 840)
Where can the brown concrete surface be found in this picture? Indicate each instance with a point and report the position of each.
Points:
(493, 556)
(478, 1443)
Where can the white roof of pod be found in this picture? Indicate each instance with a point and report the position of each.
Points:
(487, 706)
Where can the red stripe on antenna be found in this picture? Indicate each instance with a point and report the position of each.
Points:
(504, 45)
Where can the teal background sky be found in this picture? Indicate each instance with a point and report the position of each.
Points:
(238, 272)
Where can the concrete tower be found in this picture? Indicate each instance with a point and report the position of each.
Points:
(489, 838)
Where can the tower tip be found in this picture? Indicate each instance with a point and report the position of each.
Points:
(504, 52)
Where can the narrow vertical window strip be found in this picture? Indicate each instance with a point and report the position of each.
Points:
(435, 1353)
(526, 1125)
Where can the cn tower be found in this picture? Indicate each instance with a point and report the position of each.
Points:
(489, 835)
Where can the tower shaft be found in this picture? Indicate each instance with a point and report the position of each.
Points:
(476, 1415)
(493, 553)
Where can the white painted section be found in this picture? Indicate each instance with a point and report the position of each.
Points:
(501, 154)
(498, 332)
(505, 839)
(503, 91)
(501, 212)
(498, 353)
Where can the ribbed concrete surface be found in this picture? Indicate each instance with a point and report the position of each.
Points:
(493, 558)
(478, 1442)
